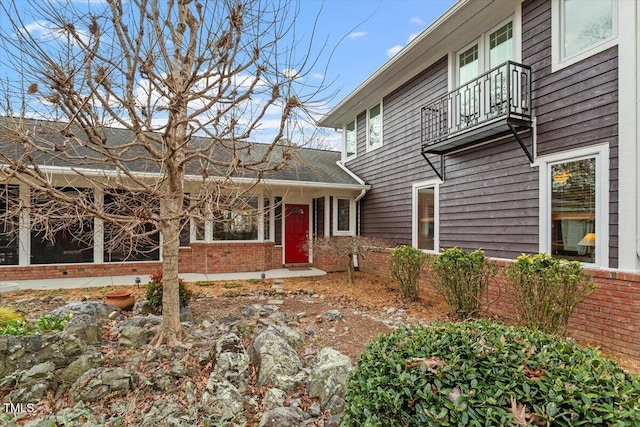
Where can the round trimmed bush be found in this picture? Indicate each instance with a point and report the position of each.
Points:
(487, 374)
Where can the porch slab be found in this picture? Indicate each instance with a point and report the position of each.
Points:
(94, 282)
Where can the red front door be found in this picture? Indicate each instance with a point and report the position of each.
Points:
(296, 233)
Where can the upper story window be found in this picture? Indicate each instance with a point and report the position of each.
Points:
(374, 127)
(350, 140)
(488, 51)
(582, 29)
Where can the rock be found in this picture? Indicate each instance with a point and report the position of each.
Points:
(290, 382)
(328, 379)
(98, 383)
(333, 421)
(140, 321)
(24, 352)
(86, 327)
(93, 308)
(167, 412)
(272, 354)
(135, 336)
(282, 417)
(232, 361)
(38, 372)
(34, 384)
(273, 398)
(163, 381)
(314, 410)
(254, 310)
(333, 315)
(221, 400)
(185, 314)
(79, 366)
(142, 308)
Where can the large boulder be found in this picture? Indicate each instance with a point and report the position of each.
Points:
(274, 356)
(92, 308)
(282, 417)
(221, 400)
(232, 361)
(86, 327)
(34, 384)
(328, 379)
(135, 336)
(24, 352)
(79, 366)
(97, 383)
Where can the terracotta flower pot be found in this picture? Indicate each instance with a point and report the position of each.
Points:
(121, 299)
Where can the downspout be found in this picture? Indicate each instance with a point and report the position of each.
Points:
(359, 196)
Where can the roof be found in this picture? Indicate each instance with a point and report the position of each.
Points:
(67, 149)
(458, 26)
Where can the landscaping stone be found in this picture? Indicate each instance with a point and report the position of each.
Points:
(86, 327)
(328, 379)
(273, 398)
(79, 366)
(221, 400)
(273, 355)
(333, 315)
(232, 361)
(282, 417)
(34, 384)
(140, 321)
(93, 308)
(97, 383)
(135, 336)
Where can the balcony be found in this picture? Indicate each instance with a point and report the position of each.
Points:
(496, 103)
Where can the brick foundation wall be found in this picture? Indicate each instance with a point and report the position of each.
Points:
(608, 318)
(199, 258)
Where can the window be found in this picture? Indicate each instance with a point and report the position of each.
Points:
(350, 140)
(575, 196)
(374, 127)
(478, 95)
(579, 31)
(9, 224)
(60, 237)
(425, 216)
(344, 217)
(239, 222)
(573, 210)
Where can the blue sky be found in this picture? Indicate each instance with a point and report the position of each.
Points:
(352, 39)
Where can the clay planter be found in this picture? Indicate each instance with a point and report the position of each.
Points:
(121, 299)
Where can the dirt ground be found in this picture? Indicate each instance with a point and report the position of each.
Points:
(365, 305)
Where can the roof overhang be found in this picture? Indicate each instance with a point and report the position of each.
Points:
(456, 27)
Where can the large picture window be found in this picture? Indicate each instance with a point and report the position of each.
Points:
(60, 237)
(238, 222)
(581, 29)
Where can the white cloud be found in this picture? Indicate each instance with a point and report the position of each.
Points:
(357, 34)
(318, 76)
(46, 32)
(393, 50)
(413, 36)
(416, 20)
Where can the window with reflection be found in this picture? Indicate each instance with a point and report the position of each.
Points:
(133, 238)
(239, 221)
(585, 25)
(573, 210)
(65, 234)
(426, 218)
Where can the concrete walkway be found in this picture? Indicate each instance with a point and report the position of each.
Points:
(92, 282)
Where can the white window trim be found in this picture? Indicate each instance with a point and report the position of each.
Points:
(378, 145)
(483, 52)
(601, 154)
(557, 63)
(208, 226)
(435, 184)
(346, 157)
(352, 217)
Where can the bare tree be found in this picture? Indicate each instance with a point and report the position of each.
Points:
(152, 105)
(346, 248)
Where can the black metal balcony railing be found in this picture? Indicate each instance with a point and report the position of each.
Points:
(478, 109)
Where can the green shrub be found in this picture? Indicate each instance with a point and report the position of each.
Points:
(486, 374)
(545, 291)
(154, 292)
(43, 324)
(405, 265)
(231, 285)
(462, 279)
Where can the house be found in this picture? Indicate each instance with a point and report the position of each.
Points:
(314, 195)
(511, 126)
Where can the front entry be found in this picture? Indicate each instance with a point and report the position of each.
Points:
(296, 233)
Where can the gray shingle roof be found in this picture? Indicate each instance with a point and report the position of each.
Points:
(68, 149)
